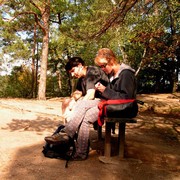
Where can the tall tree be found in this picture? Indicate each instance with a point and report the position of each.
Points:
(44, 9)
(40, 11)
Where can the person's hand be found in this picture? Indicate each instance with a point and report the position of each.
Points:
(65, 104)
(68, 108)
(71, 104)
(100, 87)
(76, 95)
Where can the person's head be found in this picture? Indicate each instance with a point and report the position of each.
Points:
(106, 59)
(75, 66)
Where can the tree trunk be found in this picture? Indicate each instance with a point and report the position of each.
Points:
(173, 32)
(43, 69)
(59, 80)
(140, 65)
(37, 64)
(44, 57)
(33, 73)
(33, 65)
(124, 55)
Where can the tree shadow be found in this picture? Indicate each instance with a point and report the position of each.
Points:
(40, 124)
(148, 153)
(155, 140)
(164, 124)
(29, 162)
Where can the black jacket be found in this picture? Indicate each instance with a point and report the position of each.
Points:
(123, 86)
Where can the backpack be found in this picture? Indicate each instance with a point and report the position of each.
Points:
(61, 151)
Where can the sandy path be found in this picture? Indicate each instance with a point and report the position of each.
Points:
(152, 151)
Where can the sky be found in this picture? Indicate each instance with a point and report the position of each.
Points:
(7, 65)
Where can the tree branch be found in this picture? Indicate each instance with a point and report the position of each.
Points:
(116, 17)
(35, 5)
(29, 12)
(59, 19)
(140, 65)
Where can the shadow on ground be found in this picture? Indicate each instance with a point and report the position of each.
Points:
(152, 153)
(40, 124)
(29, 163)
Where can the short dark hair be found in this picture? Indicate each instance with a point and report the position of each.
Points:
(73, 62)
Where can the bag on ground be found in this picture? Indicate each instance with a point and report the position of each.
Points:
(60, 151)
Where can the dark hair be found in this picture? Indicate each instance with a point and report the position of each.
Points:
(73, 62)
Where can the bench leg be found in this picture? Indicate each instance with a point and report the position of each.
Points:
(99, 133)
(107, 148)
(121, 139)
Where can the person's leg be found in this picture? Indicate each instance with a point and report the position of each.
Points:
(83, 133)
(78, 114)
(72, 126)
(113, 127)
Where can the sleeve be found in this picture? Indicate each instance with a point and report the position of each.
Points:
(79, 85)
(93, 76)
(104, 78)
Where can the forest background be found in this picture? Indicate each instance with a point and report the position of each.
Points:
(38, 37)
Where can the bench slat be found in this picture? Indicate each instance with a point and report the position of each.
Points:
(120, 120)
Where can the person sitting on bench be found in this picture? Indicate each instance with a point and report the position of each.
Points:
(87, 77)
(122, 86)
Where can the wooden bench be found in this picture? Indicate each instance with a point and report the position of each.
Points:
(121, 134)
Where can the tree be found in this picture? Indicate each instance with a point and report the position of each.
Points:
(18, 84)
(40, 10)
(44, 9)
(142, 33)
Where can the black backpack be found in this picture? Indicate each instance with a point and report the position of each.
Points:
(61, 151)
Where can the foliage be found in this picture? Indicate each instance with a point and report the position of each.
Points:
(53, 89)
(18, 84)
(144, 34)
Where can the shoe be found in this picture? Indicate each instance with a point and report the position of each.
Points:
(57, 138)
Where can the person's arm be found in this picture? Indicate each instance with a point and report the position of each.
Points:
(90, 94)
(123, 88)
(68, 103)
(76, 95)
(94, 75)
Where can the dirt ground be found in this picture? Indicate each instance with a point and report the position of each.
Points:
(152, 144)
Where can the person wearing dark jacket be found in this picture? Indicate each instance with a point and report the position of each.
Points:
(122, 86)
